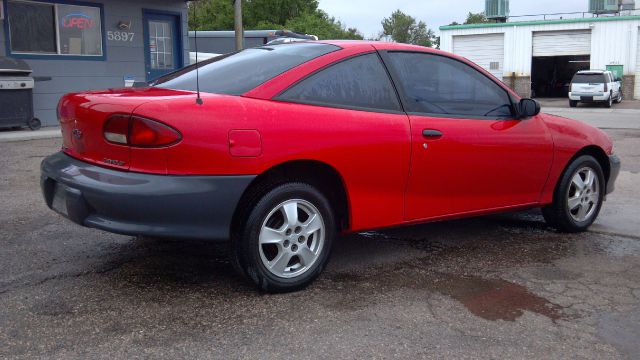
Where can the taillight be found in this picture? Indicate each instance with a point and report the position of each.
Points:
(116, 130)
(139, 132)
(606, 88)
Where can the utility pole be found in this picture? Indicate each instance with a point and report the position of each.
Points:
(238, 24)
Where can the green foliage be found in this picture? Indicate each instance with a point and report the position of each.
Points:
(476, 18)
(296, 15)
(403, 28)
(276, 11)
(211, 15)
(319, 23)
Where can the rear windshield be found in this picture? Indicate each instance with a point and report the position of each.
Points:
(236, 73)
(588, 78)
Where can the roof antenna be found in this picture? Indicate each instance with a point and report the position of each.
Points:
(195, 40)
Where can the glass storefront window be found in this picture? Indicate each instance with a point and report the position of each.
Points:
(54, 29)
(80, 30)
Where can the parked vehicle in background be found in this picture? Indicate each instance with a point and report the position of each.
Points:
(289, 145)
(223, 42)
(590, 86)
(201, 56)
(285, 40)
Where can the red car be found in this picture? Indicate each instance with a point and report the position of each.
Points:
(289, 145)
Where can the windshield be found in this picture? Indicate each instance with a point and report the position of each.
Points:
(236, 73)
(588, 79)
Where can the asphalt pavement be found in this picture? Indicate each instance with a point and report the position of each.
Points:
(503, 286)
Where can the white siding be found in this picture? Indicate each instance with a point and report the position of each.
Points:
(560, 43)
(482, 50)
(612, 42)
(636, 93)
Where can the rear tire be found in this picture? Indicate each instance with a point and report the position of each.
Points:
(578, 196)
(573, 103)
(286, 240)
(609, 102)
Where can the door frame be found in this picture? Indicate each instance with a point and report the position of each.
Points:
(178, 41)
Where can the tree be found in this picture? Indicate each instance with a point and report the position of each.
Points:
(476, 18)
(296, 15)
(276, 11)
(211, 15)
(403, 28)
(319, 23)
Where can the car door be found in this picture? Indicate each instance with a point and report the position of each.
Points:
(348, 115)
(469, 153)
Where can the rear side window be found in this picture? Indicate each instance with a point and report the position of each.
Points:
(439, 85)
(239, 72)
(360, 82)
(588, 79)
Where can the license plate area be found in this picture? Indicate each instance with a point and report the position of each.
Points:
(586, 98)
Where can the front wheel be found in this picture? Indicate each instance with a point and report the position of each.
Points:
(578, 196)
(286, 240)
(620, 96)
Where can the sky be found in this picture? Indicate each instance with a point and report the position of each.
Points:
(366, 15)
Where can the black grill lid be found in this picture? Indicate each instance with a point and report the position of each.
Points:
(13, 66)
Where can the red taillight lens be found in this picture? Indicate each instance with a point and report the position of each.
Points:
(606, 87)
(139, 132)
(149, 133)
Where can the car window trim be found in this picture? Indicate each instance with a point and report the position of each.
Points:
(395, 78)
(400, 109)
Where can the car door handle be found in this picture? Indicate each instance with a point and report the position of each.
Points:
(431, 134)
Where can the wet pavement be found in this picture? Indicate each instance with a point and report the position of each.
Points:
(502, 286)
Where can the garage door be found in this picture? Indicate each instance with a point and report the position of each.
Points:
(484, 50)
(636, 91)
(562, 43)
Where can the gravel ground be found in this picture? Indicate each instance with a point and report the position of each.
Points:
(503, 286)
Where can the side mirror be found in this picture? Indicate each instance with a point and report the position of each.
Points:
(528, 108)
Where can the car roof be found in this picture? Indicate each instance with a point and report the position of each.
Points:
(386, 44)
(592, 72)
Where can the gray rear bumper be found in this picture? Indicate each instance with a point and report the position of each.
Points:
(129, 203)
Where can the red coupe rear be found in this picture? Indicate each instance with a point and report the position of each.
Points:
(294, 143)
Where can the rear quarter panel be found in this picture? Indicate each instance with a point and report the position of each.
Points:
(371, 151)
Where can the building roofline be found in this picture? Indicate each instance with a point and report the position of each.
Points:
(541, 22)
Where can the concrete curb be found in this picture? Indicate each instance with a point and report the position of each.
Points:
(24, 135)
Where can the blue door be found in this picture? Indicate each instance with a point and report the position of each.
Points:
(162, 43)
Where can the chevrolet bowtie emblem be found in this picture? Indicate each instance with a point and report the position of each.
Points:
(77, 134)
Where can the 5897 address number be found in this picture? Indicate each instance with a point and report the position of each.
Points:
(120, 36)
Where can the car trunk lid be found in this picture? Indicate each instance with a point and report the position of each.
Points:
(83, 116)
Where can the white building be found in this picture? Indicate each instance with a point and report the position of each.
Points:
(539, 57)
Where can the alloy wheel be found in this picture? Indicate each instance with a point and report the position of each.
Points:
(291, 238)
(583, 195)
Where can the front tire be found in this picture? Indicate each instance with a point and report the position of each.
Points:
(578, 196)
(620, 97)
(286, 240)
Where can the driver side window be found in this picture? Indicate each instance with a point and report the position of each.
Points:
(441, 86)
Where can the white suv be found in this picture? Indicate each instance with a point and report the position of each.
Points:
(594, 86)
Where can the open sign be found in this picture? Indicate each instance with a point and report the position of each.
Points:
(78, 21)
